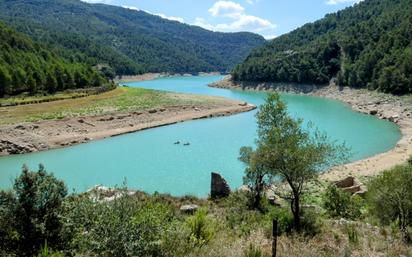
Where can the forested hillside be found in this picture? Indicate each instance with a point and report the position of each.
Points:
(129, 41)
(365, 46)
(29, 67)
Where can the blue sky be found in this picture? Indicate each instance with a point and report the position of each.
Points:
(269, 18)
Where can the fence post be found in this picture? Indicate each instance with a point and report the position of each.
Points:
(274, 237)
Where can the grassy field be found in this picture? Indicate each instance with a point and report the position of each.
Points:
(121, 99)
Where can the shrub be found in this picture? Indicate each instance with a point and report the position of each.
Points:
(123, 227)
(284, 218)
(45, 252)
(311, 223)
(338, 203)
(35, 205)
(201, 228)
(390, 198)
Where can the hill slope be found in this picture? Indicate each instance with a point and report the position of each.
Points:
(129, 41)
(29, 67)
(368, 45)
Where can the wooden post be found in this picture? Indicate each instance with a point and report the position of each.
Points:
(274, 237)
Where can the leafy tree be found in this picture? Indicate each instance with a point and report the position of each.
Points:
(257, 178)
(390, 198)
(34, 205)
(293, 154)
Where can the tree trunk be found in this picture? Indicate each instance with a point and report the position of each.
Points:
(296, 212)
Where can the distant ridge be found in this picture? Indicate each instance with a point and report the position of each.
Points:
(128, 41)
(365, 46)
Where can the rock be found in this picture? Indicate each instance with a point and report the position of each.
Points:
(219, 187)
(189, 208)
(373, 112)
(20, 127)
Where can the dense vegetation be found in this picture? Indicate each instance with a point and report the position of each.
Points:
(126, 41)
(365, 46)
(29, 67)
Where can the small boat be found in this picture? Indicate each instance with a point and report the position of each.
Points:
(186, 144)
(177, 143)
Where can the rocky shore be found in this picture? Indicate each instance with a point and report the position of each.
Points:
(383, 106)
(50, 134)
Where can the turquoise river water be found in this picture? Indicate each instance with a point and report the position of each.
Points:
(149, 161)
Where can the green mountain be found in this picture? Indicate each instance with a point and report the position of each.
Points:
(26, 66)
(368, 45)
(128, 41)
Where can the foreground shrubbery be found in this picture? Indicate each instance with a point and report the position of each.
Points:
(144, 225)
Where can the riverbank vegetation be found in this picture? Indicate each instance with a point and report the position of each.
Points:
(39, 218)
(364, 46)
(121, 99)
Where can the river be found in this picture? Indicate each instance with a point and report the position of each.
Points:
(150, 161)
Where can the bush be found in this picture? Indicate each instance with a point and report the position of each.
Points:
(201, 228)
(30, 215)
(311, 223)
(124, 227)
(338, 203)
(284, 218)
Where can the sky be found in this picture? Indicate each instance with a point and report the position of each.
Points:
(269, 18)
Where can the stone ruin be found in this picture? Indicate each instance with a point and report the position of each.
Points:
(351, 185)
(219, 187)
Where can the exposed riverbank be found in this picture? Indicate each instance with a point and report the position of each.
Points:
(122, 111)
(151, 76)
(383, 106)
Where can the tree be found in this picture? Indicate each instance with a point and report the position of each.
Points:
(5, 81)
(34, 203)
(390, 198)
(293, 154)
(257, 178)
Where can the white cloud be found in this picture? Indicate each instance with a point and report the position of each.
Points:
(134, 8)
(270, 37)
(164, 16)
(335, 2)
(237, 19)
(172, 18)
(226, 9)
(252, 1)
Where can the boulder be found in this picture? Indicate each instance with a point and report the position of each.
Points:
(347, 182)
(189, 208)
(373, 112)
(219, 187)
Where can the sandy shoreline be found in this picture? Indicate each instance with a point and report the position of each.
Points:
(380, 105)
(51, 134)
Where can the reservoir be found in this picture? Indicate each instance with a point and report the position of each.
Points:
(150, 161)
